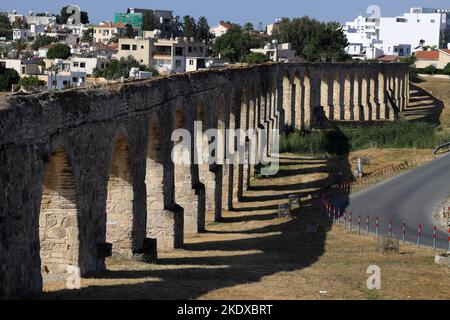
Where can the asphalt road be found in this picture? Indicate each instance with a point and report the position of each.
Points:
(412, 197)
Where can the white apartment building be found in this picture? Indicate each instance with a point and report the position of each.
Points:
(32, 32)
(370, 38)
(24, 67)
(87, 65)
(419, 24)
(107, 30)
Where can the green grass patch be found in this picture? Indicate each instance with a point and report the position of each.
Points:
(342, 139)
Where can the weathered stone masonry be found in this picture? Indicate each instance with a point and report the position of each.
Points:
(82, 168)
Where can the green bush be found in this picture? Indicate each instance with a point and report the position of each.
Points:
(59, 51)
(8, 77)
(447, 69)
(256, 58)
(430, 69)
(342, 139)
(30, 82)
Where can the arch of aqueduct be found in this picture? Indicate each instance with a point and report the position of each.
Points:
(81, 168)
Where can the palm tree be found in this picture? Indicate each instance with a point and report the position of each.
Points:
(19, 45)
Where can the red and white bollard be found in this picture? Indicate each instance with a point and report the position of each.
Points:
(367, 225)
(345, 219)
(448, 239)
(359, 224)
(419, 235)
(434, 237)
(404, 232)
(390, 228)
(377, 225)
(351, 221)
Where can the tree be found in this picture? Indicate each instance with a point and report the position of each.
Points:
(42, 41)
(410, 60)
(189, 27)
(234, 44)
(19, 45)
(121, 68)
(8, 77)
(129, 32)
(149, 22)
(256, 58)
(5, 27)
(248, 27)
(59, 51)
(431, 69)
(88, 35)
(314, 40)
(30, 82)
(202, 30)
(447, 69)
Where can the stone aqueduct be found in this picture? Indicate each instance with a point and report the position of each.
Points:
(81, 168)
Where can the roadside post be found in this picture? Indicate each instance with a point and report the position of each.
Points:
(390, 228)
(404, 232)
(434, 237)
(359, 224)
(351, 221)
(377, 224)
(367, 225)
(419, 234)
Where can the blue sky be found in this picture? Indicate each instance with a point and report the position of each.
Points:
(239, 11)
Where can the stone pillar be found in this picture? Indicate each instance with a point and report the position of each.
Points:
(298, 102)
(373, 94)
(337, 106)
(357, 114)
(347, 96)
(382, 100)
(365, 106)
(160, 221)
(287, 101)
(186, 192)
(324, 94)
(306, 101)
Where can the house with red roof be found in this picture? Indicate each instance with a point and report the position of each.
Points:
(438, 58)
(220, 29)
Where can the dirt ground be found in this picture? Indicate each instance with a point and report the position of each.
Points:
(252, 254)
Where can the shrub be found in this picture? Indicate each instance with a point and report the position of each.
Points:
(430, 70)
(447, 69)
(256, 58)
(342, 139)
(8, 77)
(59, 51)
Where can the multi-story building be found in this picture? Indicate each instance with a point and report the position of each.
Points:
(24, 67)
(33, 31)
(87, 65)
(165, 55)
(107, 30)
(421, 26)
(370, 38)
(277, 52)
(166, 22)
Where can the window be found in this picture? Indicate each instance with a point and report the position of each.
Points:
(134, 47)
(75, 64)
(142, 47)
(191, 62)
(24, 69)
(178, 63)
(74, 79)
(190, 49)
(433, 21)
(178, 51)
(82, 64)
(65, 83)
(125, 47)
